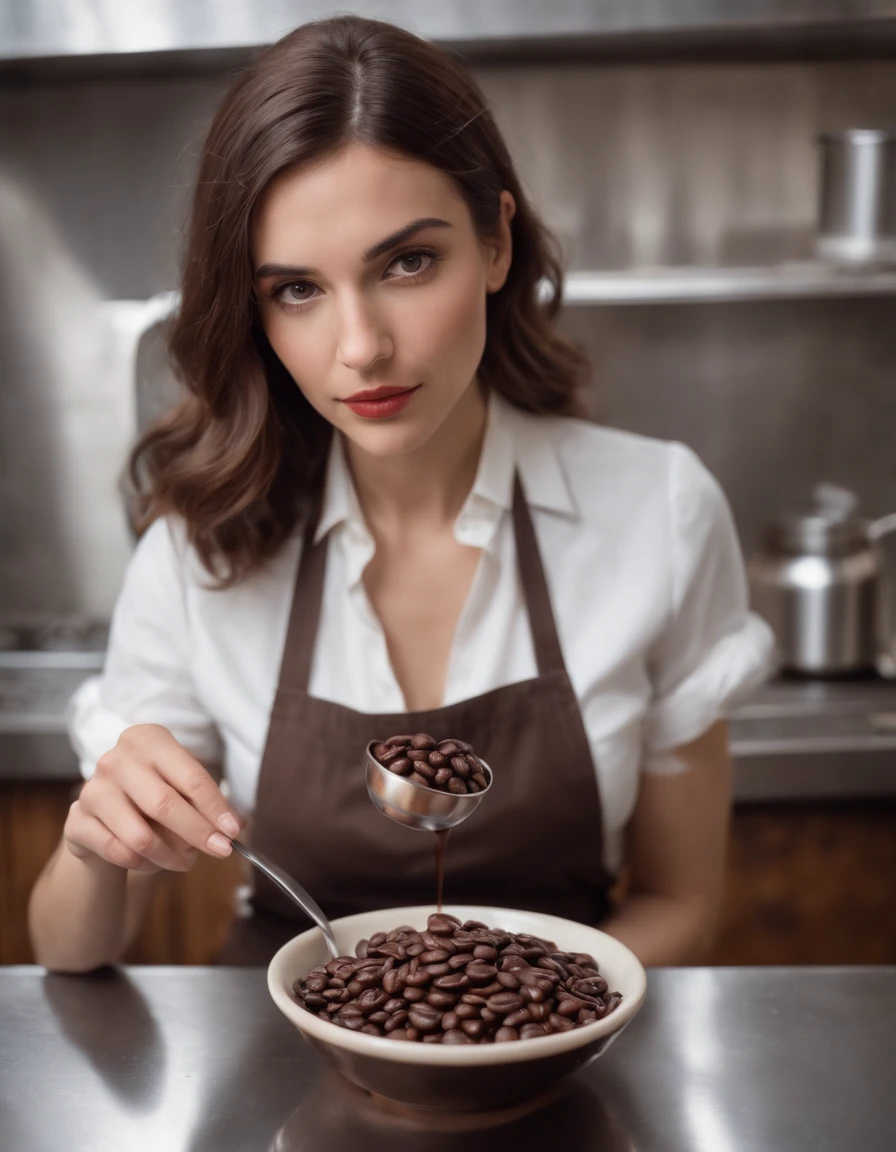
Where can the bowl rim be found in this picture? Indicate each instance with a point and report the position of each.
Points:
(461, 1055)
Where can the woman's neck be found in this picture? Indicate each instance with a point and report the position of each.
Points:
(426, 487)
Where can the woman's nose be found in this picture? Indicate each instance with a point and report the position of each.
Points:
(363, 338)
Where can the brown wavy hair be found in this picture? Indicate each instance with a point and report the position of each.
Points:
(239, 458)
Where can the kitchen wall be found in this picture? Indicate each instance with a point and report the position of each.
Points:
(632, 163)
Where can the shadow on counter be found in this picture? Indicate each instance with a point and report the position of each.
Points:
(106, 1018)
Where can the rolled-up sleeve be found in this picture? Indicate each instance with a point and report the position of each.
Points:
(713, 651)
(146, 678)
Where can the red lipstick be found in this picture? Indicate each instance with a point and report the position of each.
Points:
(378, 403)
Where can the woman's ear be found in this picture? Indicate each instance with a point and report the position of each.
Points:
(499, 248)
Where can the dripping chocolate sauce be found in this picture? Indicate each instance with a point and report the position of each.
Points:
(441, 845)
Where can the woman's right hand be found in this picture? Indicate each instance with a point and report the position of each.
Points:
(150, 805)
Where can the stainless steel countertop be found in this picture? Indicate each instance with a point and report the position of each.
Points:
(718, 1060)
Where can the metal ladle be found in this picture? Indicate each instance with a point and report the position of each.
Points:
(426, 809)
(293, 890)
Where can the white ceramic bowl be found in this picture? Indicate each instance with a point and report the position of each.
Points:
(462, 1077)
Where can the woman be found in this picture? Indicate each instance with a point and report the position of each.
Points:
(375, 513)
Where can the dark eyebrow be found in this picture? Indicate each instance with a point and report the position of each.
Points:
(268, 270)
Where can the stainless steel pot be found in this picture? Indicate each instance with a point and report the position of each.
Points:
(819, 582)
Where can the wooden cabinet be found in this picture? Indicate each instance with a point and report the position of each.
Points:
(806, 884)
(810, 883)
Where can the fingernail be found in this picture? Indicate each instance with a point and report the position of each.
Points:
(228, 825)
(219, 843)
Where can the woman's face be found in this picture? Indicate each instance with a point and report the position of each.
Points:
(372, 285)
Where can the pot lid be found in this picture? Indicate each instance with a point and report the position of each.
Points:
(830, 526)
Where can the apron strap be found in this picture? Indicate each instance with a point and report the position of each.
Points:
(304, 617)
(545, 641)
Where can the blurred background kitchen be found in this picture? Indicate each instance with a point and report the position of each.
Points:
(732, 275)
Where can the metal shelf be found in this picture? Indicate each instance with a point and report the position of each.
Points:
(684, 285)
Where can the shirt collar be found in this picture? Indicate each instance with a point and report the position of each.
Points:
(514, 440)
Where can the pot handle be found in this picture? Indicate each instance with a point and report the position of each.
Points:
(886, 661)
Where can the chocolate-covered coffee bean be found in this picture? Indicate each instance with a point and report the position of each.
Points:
(457, 983)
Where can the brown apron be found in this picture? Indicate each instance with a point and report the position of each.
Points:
(535, 842)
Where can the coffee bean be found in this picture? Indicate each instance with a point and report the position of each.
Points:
(570, 1006)
(453, 982)
(400, 767)
(457, 983)
(448, 747)
(425, 1017)
(505, 1002)
(393, 982)
(418, 754)
(441, 924)
(391, 755)
(421, 740)
(436, 956)
(473, 787)
(560, 1023)
(380, 749)
(405, 740)
(416, 778)
(480, 972)
(436, 759)
(480, 780)
(440, 999)
(442, 777)
(457, 787)
(425, 770)
(437, 970)
(461, 767)
(455, 1036)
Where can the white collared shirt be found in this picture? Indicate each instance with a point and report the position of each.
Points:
(643, 566)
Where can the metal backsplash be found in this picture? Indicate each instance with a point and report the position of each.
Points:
(667, 162)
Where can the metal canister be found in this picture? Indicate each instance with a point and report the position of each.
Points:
(857, 212)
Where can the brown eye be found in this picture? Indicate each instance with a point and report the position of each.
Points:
(412, 262)
(298, 292)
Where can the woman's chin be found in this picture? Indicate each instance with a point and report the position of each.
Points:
(383, 439)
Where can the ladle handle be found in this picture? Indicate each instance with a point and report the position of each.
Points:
(293, 890)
